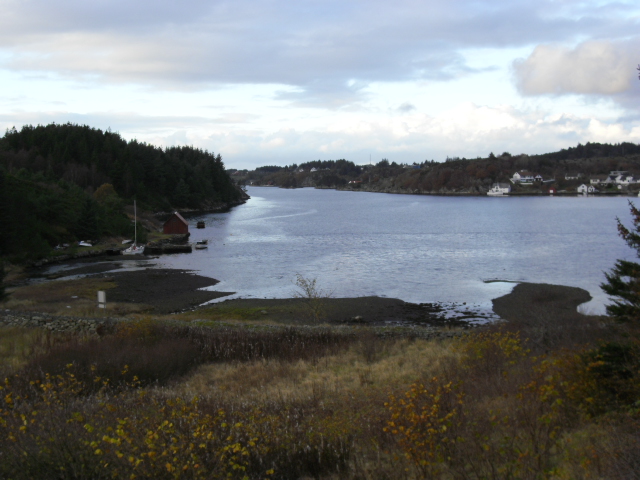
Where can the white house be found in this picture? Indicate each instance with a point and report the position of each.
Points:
(616, 177)
(499, 189)
(523, 177)
(587, 189)
(624, 179)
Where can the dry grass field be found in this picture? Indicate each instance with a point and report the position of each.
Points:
(158, 400)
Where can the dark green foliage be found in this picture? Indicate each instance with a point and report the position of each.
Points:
(89, 158)
(4, 214)
(38, 214)
(623, 282)
(592, 150)
(47, 175)
(615, 368)
(87, 227)
(3, 293)
(269, 169)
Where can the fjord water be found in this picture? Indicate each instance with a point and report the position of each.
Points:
(416, 248)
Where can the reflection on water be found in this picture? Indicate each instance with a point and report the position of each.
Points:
(416, 248)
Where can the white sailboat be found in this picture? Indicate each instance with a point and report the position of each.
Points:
(134, 249)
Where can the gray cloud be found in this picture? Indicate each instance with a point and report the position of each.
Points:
(592, 68)
(406, 107)
(321, 47)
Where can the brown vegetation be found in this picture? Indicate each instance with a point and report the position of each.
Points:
(157, 401)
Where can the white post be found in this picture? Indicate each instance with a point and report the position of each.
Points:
(102, 299)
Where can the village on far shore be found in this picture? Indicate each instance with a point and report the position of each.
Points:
(592, 168)
(617, 182)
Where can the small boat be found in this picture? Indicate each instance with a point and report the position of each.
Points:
(201, 244)
(200, 225)
(134, 249)
(84, 244)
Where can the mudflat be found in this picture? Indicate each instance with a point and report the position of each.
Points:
(163, 291)
(536, 302)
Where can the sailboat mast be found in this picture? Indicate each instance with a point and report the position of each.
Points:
(135, 223)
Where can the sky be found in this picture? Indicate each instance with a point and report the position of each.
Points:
(277, 82)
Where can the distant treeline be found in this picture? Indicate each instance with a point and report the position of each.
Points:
(593, 150)
(60, 183)
(455, 174)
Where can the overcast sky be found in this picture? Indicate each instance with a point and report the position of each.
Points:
(281, 82)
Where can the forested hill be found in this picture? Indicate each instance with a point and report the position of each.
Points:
(62, 183)
(566, 169)
(176, 177)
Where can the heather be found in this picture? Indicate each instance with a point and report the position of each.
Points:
(165, 400)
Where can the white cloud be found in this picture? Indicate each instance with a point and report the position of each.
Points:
(330, 50)
(274, 81)
(593, 68)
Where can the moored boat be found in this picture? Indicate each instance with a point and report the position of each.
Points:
(134, 249)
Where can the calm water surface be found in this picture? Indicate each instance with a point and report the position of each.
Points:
(416, 248)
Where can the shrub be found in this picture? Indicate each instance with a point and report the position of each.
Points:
(312, 296)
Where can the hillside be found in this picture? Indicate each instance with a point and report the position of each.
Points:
(61, 183)
(456, 175)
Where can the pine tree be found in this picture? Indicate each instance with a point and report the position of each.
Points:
(87, 227)
(623, 281)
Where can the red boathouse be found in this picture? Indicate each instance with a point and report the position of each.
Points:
(176, 225)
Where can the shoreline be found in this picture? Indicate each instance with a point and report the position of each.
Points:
(169, 291)
(461, 194)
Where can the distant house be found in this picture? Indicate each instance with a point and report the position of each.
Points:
(615, 177)
(572, 176)
(525, 177)
(622, 178)
(176, 225)
(587, 189)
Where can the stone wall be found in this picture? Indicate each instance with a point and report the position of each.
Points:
(55, 323)
(99, 326)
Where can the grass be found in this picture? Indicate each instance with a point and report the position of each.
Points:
(18, 344)
(157, 400)
(350, 371)
(68, 297)
(286, 312)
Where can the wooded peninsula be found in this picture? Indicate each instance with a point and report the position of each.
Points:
(63, 183)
